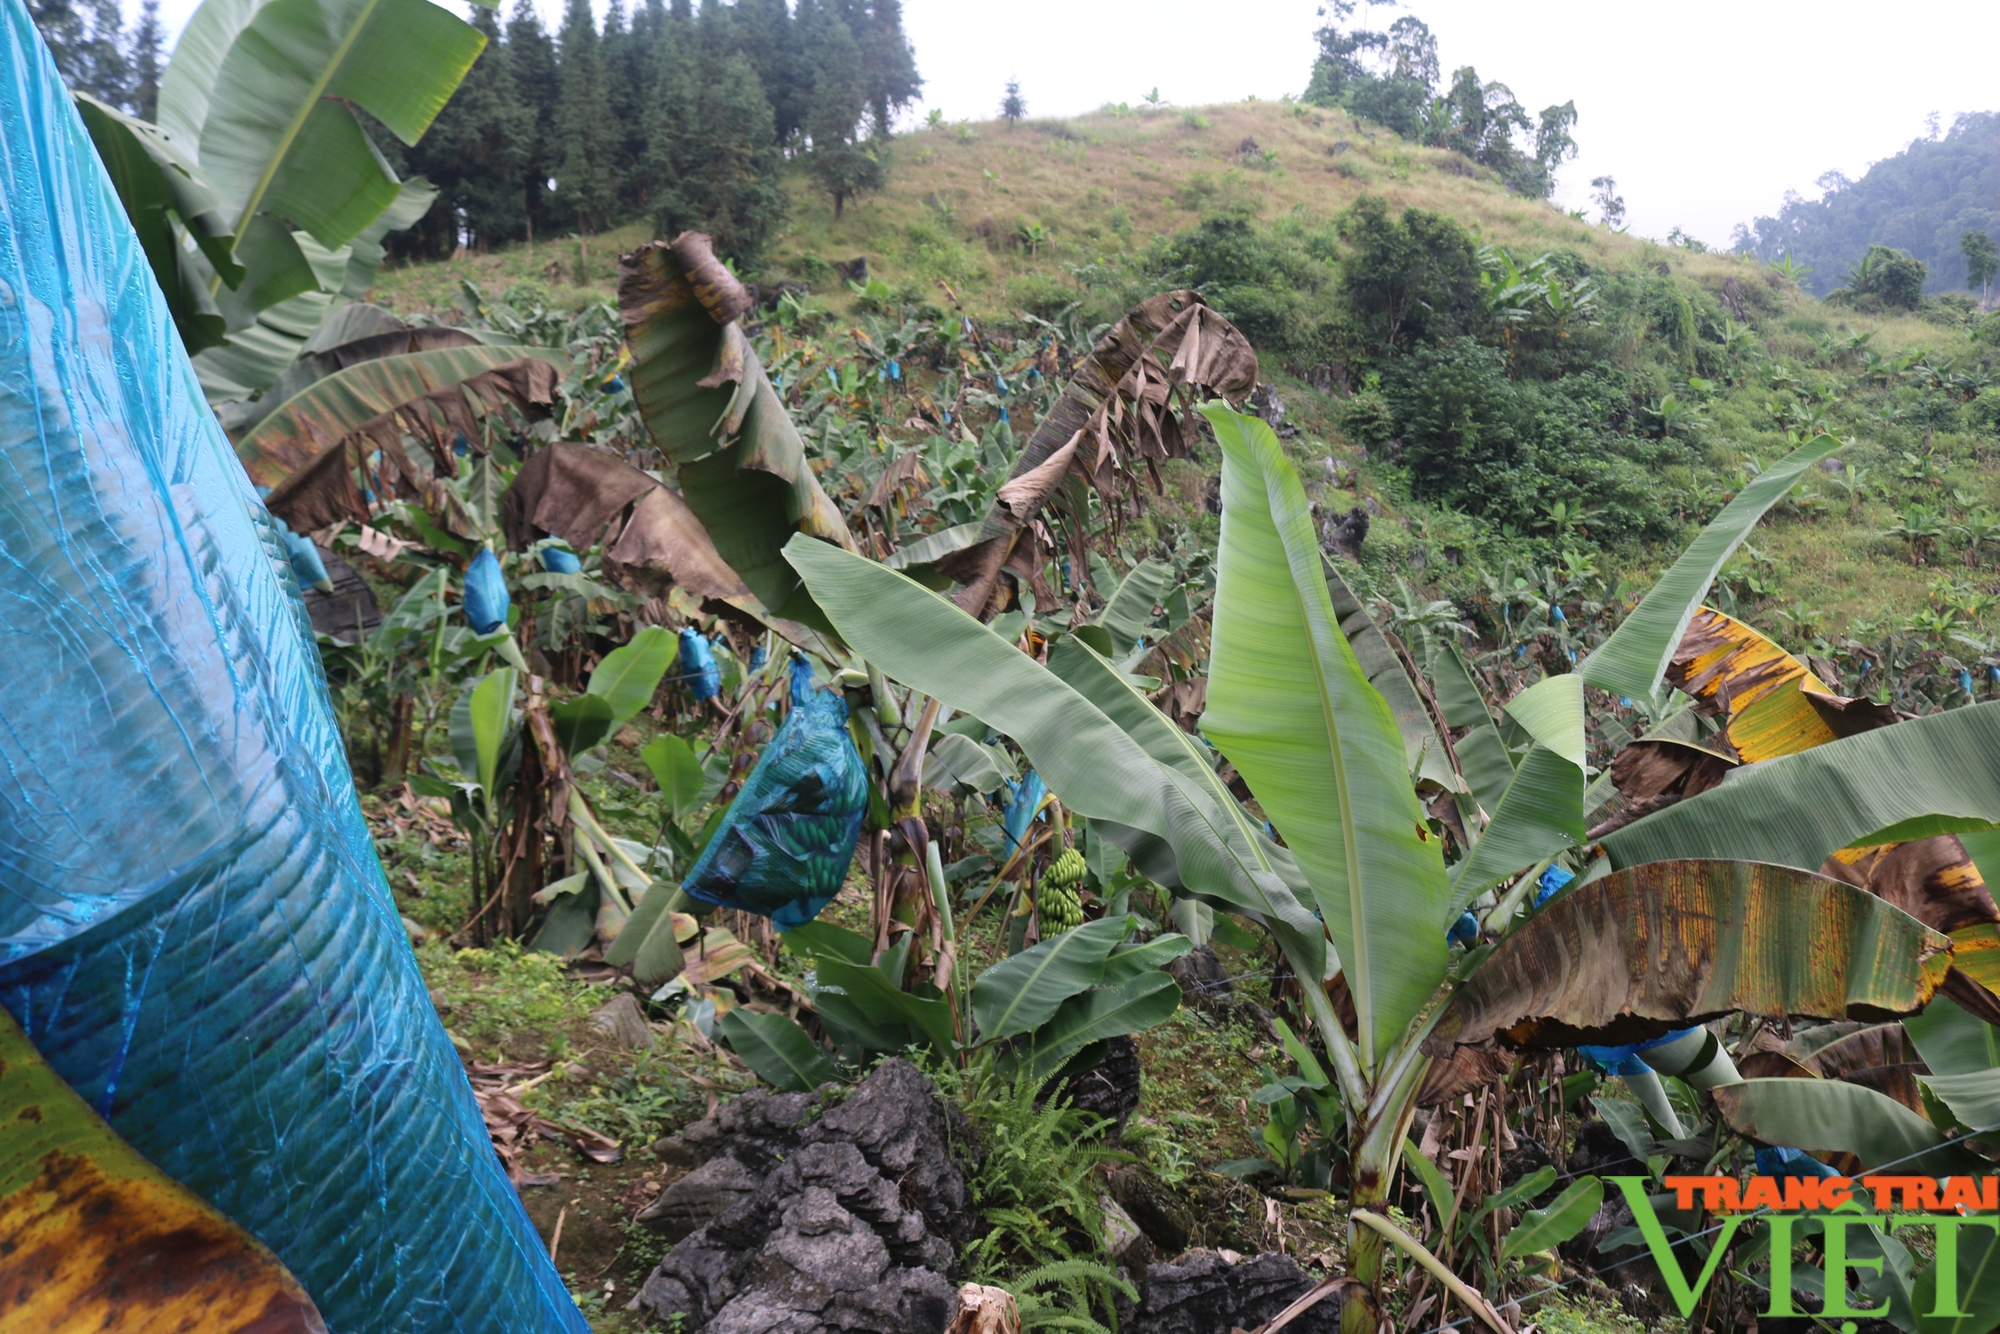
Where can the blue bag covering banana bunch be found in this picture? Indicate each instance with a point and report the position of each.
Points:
(784, 846)
(194, 928)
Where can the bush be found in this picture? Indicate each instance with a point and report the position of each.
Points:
(1508, 449)
(1982, 414)
(1410, 281)
(1270, 281)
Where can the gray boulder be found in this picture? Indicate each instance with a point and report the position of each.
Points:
(801, 1217)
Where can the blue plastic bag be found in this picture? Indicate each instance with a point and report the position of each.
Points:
(697, 664)
(307, 566)
(485, 599)
(194, 928)
(783, 848)
(560, 560)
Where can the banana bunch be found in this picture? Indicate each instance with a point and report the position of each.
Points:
(1056, 902)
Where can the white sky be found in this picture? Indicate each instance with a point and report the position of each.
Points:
(1706, 112)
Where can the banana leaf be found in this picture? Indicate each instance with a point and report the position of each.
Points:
(311, 367)
(1828, 1116)
(711, 409)
(1730, 668)
(1797, 810)
(1541, 812)
(269, 329)
(165, 196)
(1977, 1288)
(778, 1050)
(1289, 705)
(1953, 1042)
(1132, 1006)
(1482, 753)
(1634, 659)
(98, 1238)
(1641, 952)
(306, 451)
(1429, 760)
(1025, 990)
(1130, 609)
(1093, 764)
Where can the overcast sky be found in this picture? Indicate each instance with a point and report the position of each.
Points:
(1706, 112)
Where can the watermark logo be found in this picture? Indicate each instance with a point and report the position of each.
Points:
(1837, 1204)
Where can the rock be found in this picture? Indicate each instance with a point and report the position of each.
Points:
(854, 270)
(1201, 974)
(806, 1215)
(1832, 467)
(621, 1020)
(1152, 1208)
(983, 1310)
(1346, 533)
(1264, 401)
(1111, 1087)
(1203, 1293)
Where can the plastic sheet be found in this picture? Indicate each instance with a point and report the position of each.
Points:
(194, 929)
(697, 666)
(783, 849)
(485, 599)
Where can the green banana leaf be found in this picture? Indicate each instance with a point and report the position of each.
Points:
(1541, 812)
(1289, 705)
(281, 135)
(1563, 1218)
(1133, 1006)
(1482, 752)
(710, 408)
(1640, 952)
(870, 989)
(629, 674)
(100, 1239)
(1974, 1097)
(1096, 767)
(1025, 990)
(1634, 659)
(1796, 810)
(1130, 961)
(1953, 1042)
(1130, 609)
(778, 1050)
(1385, 669)
(678, 772)
(1828, 1116)
(165, 196)
(1977, 1288)
(1098, 681)
(492, 714)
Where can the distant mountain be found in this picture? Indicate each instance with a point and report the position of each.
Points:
(1920, 201)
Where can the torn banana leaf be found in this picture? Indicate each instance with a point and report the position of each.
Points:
(1641, 952)
(711, 410)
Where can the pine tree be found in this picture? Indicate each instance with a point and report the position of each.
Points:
(83, 36)
(147, 62)
(623, 63)
(477, 151)
(842, 163)
(888, 65)
(769, 37)
(583, 157)
(714, 162)
(531, 60)
(1013, 106)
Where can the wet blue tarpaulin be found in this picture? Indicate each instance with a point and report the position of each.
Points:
(194, 928)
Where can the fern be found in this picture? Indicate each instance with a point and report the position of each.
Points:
(1035, 1188)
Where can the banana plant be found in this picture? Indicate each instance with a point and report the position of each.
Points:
(1358, 889)
(259, 198)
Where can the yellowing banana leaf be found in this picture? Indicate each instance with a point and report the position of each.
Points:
(1735, 671)
(1289, 705)
(99, 1239)
(1097, 768)
(1797, 810)
(312, 367)
(1828, 1116)
(1643, 951)
(709, 407)
(308, 449)
(1634, 659)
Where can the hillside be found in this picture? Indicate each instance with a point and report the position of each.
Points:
(1920, 201)
(1681, 376)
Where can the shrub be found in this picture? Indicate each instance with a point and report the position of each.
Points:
(1982, 414)
(1270, 281)
(1509, 449)
(1412, 280)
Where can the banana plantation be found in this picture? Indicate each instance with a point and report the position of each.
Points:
(699, 813)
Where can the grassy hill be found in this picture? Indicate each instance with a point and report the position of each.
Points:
(1685, 378)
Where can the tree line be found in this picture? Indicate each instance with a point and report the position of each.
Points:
(681, 115)
(684, 115)
(1394, 78)
(97, 57)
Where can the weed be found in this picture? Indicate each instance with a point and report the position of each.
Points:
(494, 994)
